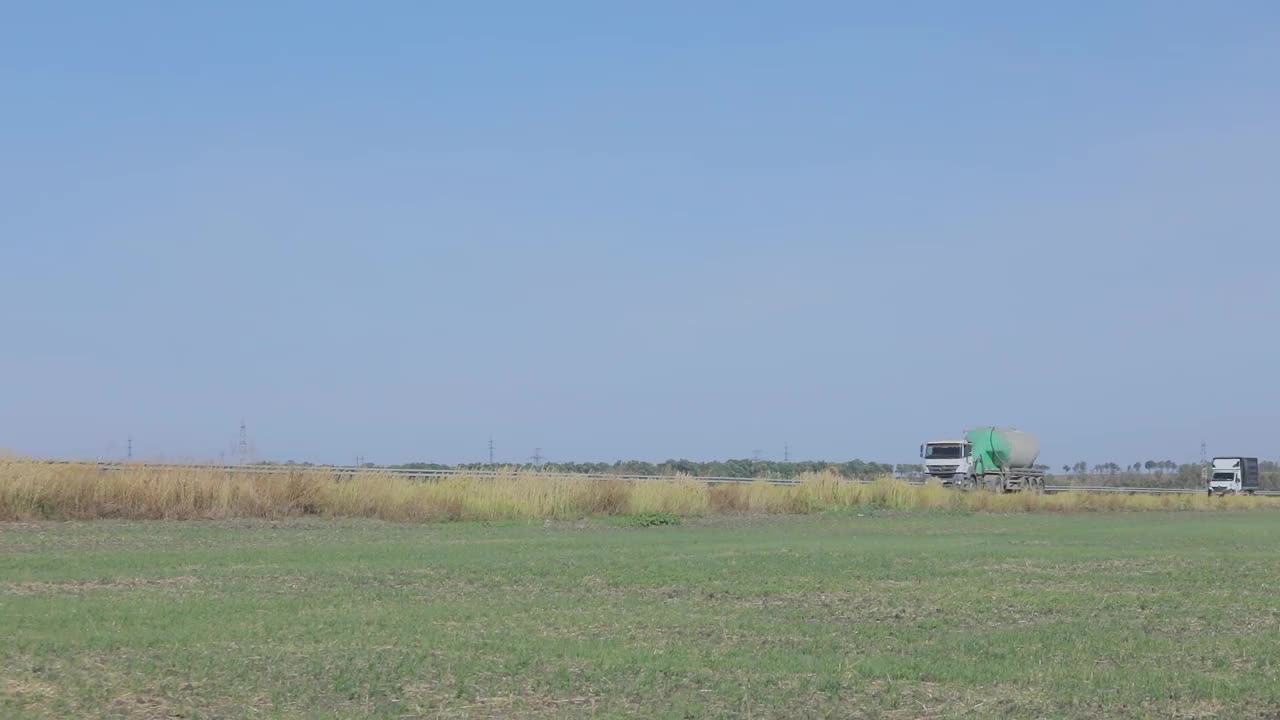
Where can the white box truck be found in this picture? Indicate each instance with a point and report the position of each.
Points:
(1233, 476)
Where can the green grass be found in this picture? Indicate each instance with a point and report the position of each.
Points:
(870, 615)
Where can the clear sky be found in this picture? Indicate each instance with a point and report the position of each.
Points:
(638, 230)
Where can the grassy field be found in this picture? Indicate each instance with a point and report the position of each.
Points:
(862, 615)
(41, 491)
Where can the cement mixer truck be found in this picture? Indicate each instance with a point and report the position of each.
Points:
(987, 458)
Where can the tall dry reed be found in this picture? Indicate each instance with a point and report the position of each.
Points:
(37, 491)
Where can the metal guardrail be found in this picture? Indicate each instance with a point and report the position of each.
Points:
(413, 473)
(1141, 490)
(443, 474)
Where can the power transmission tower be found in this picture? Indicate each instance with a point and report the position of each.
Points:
(786, 452)
(537, 457)
(491, 450)
(243, 449)
(1204, 463)
(129, 452)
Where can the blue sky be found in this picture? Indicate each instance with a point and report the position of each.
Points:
(650, 230)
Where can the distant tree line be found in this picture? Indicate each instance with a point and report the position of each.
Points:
(1155, 473)
(1158, 467)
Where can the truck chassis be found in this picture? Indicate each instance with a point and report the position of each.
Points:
(1220, 492)
(1004, 481)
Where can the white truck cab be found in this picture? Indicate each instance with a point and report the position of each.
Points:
(948, 461)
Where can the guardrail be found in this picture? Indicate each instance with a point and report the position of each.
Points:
(1142, 491)
(411, 473)
(442, 474)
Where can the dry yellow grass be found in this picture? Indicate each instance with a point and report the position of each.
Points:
(37, 491)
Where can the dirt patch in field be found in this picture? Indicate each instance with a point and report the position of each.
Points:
(146, 707)
(1125, 566)
(742, 519)
(28, 692)
(441, 700)
(83, 586)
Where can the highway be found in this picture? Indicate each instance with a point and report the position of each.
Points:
(339, 471)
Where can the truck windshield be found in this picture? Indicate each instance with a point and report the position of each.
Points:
(942, 452)
(1224, 476)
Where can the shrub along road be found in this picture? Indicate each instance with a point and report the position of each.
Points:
(852, 615)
